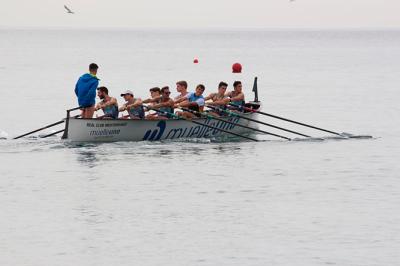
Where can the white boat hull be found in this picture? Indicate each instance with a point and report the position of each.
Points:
(98, 130)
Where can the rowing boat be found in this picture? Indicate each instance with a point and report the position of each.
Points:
(208, 126)
(112, 130)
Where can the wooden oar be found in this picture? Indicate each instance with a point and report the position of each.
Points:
(40, 129)
(52, 134)
(288, 120)
(43, 128)
(257, 121)
(205, 125)
(235, 124)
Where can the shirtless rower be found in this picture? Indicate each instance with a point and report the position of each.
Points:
(219, 99)
(164, 104)
(193, 101)
(181, 87)
(108, 104)
(132, 105)
(236, 96)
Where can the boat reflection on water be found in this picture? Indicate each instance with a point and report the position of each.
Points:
(88, 158)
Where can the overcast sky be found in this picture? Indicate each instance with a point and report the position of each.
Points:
(202, 13)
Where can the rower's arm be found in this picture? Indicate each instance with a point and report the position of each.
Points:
(224, 101)
(122, 108)
(181, 99)
(112, 101)
(137, 103)
(186, 104)
(151, 100)
(239, 97)
(199, 103)
(98, 106)
(170, 103)
(209, 97)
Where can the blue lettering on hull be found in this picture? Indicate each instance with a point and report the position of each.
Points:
(156, 134)
(190, 132)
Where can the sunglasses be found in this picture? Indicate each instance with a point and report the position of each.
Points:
(167, 92)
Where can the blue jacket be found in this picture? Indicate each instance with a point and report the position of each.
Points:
(85, 89)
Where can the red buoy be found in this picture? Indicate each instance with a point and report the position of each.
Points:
(196, 61)
(237, 68)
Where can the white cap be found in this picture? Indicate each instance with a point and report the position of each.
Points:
(127, 92)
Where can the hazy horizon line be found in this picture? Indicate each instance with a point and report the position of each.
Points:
(96, 28)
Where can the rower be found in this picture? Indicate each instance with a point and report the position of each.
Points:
(193, 101)
(108, 104)
(132, 105)
(164, 104)
(236, 96)
(181, 87)
(219, 99)
(155, 93)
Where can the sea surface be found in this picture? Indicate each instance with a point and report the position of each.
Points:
(204, 202)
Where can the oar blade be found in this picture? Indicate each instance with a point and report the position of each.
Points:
(343, 135)
(352, 136)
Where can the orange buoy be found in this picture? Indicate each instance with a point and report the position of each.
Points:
(237, 68)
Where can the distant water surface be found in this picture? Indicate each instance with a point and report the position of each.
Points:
(332, 202)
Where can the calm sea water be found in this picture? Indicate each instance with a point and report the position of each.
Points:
(332, 202)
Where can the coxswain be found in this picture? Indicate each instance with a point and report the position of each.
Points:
(85, 90)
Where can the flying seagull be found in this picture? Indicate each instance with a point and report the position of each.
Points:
(69, 11)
